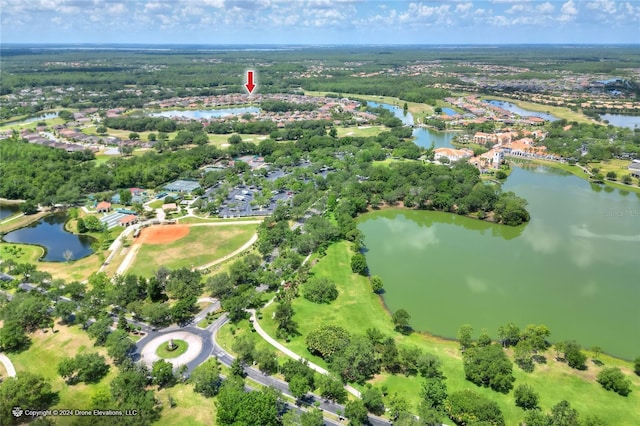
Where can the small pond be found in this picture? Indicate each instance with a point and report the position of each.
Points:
(49, 233)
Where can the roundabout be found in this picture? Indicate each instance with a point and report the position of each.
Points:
(187, 347)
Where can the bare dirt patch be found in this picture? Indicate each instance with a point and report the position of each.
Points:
(163, 234)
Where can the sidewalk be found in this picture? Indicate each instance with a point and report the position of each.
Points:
(8, 365)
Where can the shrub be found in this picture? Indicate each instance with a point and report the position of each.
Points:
(320, 290)
(614, 380)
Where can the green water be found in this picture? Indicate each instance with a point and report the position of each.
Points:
(574, 267)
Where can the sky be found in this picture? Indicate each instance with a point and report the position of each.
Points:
(258, 22)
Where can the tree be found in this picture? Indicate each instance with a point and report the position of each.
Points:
(299, 386)
(100, 330)
(536, 418)
(126, 150)
(356, 412)
(332, 389)
(128, 389)
(134, 136)
(596, 350)
(29, 207)
(125, 197)
(563, 415)
(13, 337)
(636, 366)
(464, 336)
(614, 380)
(234, 139)
(509, 334)
(326, 340)
(283, 316)
(356, 362)
(429, 366)
(101, 130)
(237, 369)
(162, 373)
(206, 378)
(401, 321)
(523, 357)
(81, 227)
(372, 399)
(612, 175)
(376, 284)
(320, 290)
(119, 346)
(267, 361)
(359, 264)
(468, 407)
(26, 390)
(434, 393)
(87, 368)
(526, 397)
(398, 406)
(574, 355)
(244, 346)
(489, 366)
(30, 311)
(484, 339)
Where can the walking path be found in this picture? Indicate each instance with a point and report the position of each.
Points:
(11, 218)
(8, 365)
(244, 247)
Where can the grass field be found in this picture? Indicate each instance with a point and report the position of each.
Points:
(618, 166)
(71, 271)
(191, 408)
(360, 131)
(164, 352)
(43, 357)
(357, 309)
(21, 253)
(203, 244)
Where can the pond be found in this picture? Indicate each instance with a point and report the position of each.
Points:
(7, 210)
(573, 267)
(630, 121)
(521, 111)
(49, 233)
(407, 119)
(206, 113)
(423, 136)
(41, 117)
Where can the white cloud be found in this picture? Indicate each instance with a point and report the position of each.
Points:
(603, 6)
(568, 11)
(545, 8)
(116, 9)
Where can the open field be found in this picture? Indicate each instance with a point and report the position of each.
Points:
(229, 332)
(21, 253)
(191, 408)
(77, 270)
(32, 125)
(560, 112)
(360, 131)
(202, 244)
(614, 165)
(554, 381)
(44, 355)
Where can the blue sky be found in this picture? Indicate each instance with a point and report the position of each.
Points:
(320, 21)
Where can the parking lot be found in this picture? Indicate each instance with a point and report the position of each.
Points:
(238, 203)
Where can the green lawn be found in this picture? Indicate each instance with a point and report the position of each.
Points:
(21, 253)
(357, 309)
(43, 357)
(164, 352)
(191, 408)
(192, 219)
(202, 245)
(360, 131)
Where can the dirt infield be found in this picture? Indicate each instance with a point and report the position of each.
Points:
(163, 234)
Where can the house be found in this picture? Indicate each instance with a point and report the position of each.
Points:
(634, 168)
(128, 220)
(452, 154)
(187, 186)
(103, 207)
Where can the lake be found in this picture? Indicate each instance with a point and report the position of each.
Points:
(7, 210)
(206, 113)
(520, 111)
(630, 121)
(574, 267)
(49, 233)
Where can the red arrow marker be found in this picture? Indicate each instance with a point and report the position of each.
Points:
(250, 86)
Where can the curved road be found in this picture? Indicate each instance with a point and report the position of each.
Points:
(8, 365)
